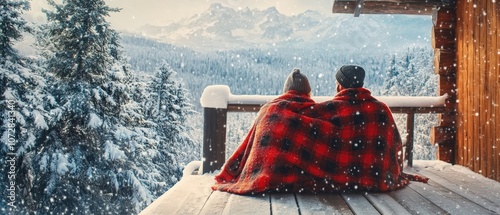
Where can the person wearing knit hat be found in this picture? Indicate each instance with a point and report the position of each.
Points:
(365, 130)
(298, 82)
(279, 129)
(350, 76)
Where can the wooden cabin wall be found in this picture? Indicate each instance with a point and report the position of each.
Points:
(443, 43)
(478, 86)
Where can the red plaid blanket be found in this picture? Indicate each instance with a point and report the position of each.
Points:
(348, 143)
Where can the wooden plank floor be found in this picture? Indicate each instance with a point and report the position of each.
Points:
(451, 190)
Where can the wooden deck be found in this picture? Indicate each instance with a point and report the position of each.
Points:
(451, 190)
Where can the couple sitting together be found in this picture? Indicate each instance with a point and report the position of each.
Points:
(297, 145)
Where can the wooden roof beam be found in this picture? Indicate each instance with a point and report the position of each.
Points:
(388, 6)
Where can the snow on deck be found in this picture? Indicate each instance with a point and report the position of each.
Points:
(452, 189)
(219, 96)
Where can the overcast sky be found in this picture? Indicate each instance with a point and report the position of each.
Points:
(136, 13)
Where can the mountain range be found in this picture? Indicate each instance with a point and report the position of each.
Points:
(223, 28)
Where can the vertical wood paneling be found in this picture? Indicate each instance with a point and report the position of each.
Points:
(469, 82)
(495, 43)
(494, 68)
(460, 150)
(481, 73)
(463, 80)
(476, 87)
(478, 82)
(462, 58)
(471, 86)
(490, 92)
(466, 93)
(485, 99)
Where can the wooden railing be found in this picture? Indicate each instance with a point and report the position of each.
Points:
(217, 101)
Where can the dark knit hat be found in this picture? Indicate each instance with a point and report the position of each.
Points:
(297, 81)
(351, 76)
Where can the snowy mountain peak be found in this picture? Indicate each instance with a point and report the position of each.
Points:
(272, 10)
(313, 14)
(221, 27)
(215, 5)
(245, 10)
(219, 7)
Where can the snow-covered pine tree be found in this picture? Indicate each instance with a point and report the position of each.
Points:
(95, 158)
(168, 108)
(391, 76)
(23, 115)
(421, 81)
(12, 25)
(411, 74)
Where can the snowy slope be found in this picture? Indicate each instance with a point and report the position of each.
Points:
(222, 28)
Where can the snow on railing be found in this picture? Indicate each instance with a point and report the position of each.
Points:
(219, 96)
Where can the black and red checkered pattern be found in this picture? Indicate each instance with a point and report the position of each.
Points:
(296, 145)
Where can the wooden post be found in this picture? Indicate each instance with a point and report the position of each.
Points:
(214, 139)
(359, 6)
(409, 138)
